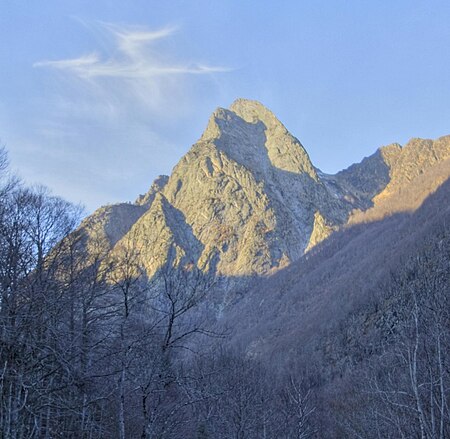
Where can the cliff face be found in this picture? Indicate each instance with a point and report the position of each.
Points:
(246, 199)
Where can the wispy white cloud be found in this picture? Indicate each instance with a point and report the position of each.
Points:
(136, 57)
(131, 70)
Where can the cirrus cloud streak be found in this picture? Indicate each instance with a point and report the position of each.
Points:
(135, 57)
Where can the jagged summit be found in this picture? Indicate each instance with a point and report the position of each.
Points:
(252, 111)
(223, 120)
(253, 136)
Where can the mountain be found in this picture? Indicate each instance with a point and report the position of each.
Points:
(248, 295)
(246, 199)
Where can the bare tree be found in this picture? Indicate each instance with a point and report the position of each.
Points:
(32, 223)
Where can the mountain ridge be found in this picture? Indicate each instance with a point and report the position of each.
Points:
(246, 200)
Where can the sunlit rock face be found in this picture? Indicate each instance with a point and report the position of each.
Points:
(411, 173)
(246, 199)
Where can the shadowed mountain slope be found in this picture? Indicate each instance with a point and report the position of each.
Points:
(307, 310)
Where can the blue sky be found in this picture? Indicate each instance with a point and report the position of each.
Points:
(99, 97)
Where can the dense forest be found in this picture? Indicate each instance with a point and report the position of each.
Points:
(92, 348)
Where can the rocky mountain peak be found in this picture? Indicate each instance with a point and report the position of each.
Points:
(252, 135)
(252, 111)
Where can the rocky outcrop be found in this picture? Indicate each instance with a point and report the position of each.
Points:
(415, 158)
(156, 187)
(414, 172)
